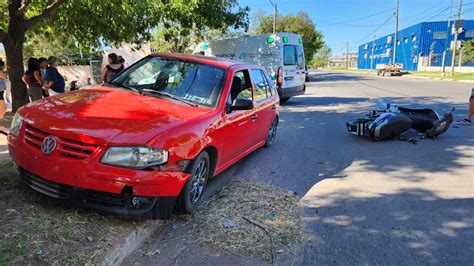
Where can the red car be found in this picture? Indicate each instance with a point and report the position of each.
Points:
(150, 139)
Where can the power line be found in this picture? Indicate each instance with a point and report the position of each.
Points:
(357, 19)
(375, 31)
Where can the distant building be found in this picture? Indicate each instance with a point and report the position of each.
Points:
(341, 60)
(419, 47)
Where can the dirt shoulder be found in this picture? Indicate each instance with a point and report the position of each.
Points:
(36, 230)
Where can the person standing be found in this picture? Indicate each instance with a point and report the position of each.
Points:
(112, 69)
(33, 81)
(43, 62)
(3, 77)
(470, 112)
(56, 82)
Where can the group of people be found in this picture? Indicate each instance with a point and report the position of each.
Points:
(42, 78)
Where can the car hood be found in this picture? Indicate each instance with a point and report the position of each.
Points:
(104, 115)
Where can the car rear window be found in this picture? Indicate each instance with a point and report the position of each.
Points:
(289, 55)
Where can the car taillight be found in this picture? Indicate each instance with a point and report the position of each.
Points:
(279, 77)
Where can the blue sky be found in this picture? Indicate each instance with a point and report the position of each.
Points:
(356, 21)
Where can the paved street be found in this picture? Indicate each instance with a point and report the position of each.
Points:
(389, 202)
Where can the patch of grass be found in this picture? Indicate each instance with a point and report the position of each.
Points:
(457, 76)
(37, 230)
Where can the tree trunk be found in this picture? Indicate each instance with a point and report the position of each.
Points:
(14, 53)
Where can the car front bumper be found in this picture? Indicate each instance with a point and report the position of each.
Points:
(88, 183)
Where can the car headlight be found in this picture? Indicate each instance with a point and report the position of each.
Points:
(134, 157)
(16, 124)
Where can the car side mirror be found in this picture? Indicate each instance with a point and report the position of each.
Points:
(241, 104)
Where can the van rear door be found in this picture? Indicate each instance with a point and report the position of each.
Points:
(293, 66)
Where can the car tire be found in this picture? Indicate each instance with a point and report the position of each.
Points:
(284, 100)
(272, 133)
(199, 172)
(163, 208)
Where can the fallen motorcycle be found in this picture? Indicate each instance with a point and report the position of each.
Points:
(405, 123)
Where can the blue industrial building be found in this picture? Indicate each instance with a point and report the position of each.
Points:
(419, 45)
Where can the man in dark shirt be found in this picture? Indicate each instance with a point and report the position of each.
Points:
(55, 80)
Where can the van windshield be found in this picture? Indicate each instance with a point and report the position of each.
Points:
(197, 83)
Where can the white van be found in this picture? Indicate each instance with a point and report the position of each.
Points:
(281, 54)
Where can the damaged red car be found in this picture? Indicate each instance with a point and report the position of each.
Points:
(147, 142)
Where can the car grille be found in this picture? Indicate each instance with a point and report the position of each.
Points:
(67, 148)
(61, 191)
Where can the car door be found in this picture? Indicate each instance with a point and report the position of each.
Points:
(241, 126)
(264, 106)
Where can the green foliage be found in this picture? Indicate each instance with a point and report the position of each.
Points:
(468, 51)
(192, 20)
(300, 23)
(321, 58)
(67, 50)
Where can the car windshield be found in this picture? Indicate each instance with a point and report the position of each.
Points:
(192, 82)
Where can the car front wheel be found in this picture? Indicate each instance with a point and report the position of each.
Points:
(194, 187)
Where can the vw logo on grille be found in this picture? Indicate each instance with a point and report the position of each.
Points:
(48, 145)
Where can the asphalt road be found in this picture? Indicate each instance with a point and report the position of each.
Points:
(367, 202)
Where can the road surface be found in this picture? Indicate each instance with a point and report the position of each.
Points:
(362, 202)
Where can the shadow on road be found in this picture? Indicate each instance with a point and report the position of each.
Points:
(365, 230)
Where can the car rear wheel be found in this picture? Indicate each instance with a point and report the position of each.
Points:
(192, 191)
(272, 133)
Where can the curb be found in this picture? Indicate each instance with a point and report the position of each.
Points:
(135, 239)
(408, 76)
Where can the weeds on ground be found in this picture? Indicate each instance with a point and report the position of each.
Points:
(36, 230)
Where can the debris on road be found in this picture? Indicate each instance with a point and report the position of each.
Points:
(274, 209)
(153, 252)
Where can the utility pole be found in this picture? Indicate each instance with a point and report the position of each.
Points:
(456, 33)
(275, 11)
(395, 42)
(373, 50)
(347, 55)
(446, 48)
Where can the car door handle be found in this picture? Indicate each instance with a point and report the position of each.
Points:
(254, 117)
(274, 107)
(289, 78)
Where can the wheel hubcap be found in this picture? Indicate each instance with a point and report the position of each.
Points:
(199, 181)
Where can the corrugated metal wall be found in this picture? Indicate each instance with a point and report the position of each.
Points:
(414, 44)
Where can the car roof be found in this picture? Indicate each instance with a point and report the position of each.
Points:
(208, 60)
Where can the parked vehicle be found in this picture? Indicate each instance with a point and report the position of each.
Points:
(150, 139)
(392, 69)
(281, 54)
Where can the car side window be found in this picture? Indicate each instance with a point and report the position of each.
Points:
(262, 88)
(241, 86)
(301, 63)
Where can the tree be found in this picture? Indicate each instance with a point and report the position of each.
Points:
(174, 35)
(300, 23)
(95, 23)
(468, 51)
(321, 58)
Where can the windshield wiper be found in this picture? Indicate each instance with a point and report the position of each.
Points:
(170, 96)
(118, 84)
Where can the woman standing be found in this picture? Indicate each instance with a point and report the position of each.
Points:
(3, 76)
(33, 81)
(112, 69)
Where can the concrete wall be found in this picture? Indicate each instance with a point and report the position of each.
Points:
(83, 74)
